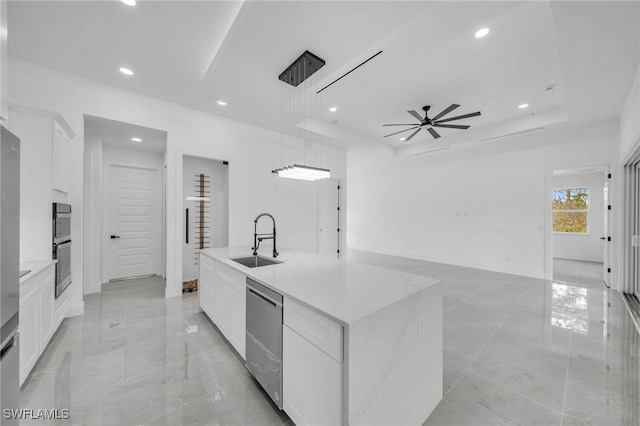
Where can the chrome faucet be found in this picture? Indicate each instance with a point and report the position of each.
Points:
(258, 239)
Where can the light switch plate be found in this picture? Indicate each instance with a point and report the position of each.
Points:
(635, 240)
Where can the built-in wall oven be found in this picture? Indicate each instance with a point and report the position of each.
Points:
(62, 245)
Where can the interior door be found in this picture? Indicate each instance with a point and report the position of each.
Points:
(134, 217)
(606, 234)
(328, 225)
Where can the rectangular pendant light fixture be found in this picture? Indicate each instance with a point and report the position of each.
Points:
(303, 172)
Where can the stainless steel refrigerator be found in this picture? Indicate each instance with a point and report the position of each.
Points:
(9, 270)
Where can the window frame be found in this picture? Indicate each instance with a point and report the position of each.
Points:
(586, 211)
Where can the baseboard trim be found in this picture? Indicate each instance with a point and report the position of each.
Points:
(75, 310)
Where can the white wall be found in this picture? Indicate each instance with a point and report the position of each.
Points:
(589, 246)
(630, 121)
(35, 184)
(487, 206)
(252, 153)
(114, 156)
(216, 209)
(92, 270)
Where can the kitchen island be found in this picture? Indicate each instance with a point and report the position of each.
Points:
(362, 344)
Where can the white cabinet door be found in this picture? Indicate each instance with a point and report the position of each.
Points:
(46, 308)
(221, 305)
(205, 284)
(237, 321)
(312, 382)
(61, 161)
(29, 336)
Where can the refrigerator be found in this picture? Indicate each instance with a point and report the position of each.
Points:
(9, 273)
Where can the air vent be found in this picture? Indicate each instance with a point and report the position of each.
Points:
(511, 134)
(433, 150)
(301, 69)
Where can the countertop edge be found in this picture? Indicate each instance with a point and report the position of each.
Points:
(248, 272)
(36, 266)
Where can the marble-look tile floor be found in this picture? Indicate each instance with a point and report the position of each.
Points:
(522, 351)
(516, 351)
(137, 358)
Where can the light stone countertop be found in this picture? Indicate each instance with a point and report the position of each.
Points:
(35, 266)
(344, 290)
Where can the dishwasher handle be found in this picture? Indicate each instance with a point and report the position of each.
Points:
(264, 297)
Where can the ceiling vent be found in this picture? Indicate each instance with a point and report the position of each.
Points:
(511, 134)
(433, 150)
(301, 69)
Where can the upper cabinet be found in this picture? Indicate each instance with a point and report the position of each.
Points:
(4, 102)
(61, 147)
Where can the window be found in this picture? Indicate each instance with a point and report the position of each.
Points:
(570, 209)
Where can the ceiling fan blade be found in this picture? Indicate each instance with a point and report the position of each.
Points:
(446, 111)
(433, 133)
(416, 115)
(412, 124)
(460, 117)
(413, 134)
(451, 126)
(405, 130)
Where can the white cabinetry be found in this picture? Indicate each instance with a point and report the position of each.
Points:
(222, 298)
(36, 317)
(61, 146)
(312, 366)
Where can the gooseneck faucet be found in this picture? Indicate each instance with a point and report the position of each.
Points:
(257, 238)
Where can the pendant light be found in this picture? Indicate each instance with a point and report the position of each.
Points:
(296, 103)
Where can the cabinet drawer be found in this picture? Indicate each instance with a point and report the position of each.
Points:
(318, 329)
(235, 279)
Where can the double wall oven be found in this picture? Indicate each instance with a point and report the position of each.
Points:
(62, 245)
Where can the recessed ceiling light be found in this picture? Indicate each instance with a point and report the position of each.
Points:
(403, 139)
(523, 106)
(126, 71)
(333, 109)
(482, 32)
(223, 103)
(136, 139)
(129, 2)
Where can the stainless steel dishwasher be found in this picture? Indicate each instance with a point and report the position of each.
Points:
(264, 338)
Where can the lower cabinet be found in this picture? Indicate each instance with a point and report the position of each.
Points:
(222, 298)
(312, 382)
(29, 338)
(36, 318)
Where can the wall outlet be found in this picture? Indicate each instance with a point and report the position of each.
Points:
(635, 240)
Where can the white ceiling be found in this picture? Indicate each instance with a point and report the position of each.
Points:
(119, 134)
(195, 53)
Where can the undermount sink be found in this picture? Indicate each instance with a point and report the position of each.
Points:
(255, 261)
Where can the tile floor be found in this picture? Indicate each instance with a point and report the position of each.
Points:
(517, 351)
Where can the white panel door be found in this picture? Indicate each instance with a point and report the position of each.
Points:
(133, 215)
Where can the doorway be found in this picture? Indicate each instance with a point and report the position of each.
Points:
(631, 231)
(580, 221)
(123, 197)
(204, 214)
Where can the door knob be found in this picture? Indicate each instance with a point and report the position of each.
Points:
(602, 238)
(113, 237)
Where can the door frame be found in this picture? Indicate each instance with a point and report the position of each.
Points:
(631, 221)
(106, 218)
(605, 168)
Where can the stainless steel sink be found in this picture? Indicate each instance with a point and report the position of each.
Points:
(255, 261)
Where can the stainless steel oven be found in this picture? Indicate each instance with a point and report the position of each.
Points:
(61, 223)
(62, 245)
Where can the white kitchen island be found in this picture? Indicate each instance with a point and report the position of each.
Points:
(362, 344)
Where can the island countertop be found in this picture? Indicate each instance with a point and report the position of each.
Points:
(344, 290)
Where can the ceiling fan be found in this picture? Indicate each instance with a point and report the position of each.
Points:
(433, 122)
